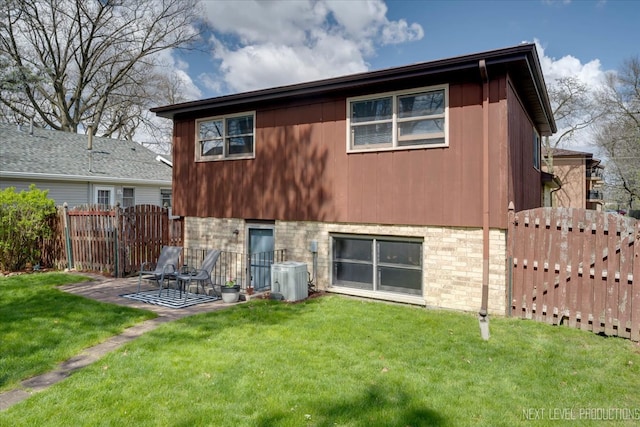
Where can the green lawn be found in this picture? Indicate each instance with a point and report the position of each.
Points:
(335, 361)
(41, 326)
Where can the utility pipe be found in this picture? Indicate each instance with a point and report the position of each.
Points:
(483, 315)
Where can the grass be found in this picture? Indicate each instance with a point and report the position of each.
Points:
(41, 326)
(335, 361)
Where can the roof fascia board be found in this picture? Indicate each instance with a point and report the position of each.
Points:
(82, 178)
(351, 81)
(536, 77)
(252, 97)
(543, 99)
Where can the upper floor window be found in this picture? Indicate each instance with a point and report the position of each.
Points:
(225, 137)
(399, 120)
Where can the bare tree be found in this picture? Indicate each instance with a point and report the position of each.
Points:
(619, 136)
(155, 132)
(95, 60)
(574, 108)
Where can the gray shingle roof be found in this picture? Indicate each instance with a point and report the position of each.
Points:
(66, 156)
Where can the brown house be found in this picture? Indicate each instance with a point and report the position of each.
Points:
(401, 178)
(580, 177)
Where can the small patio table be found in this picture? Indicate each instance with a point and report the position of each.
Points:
(188, 275)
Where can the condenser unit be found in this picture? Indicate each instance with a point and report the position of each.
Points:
(290, 280)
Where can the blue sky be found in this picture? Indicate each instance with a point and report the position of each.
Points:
(587, 30)
(255, 45)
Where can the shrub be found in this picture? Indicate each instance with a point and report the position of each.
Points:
(23, 224)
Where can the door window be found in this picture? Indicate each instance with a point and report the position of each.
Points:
(261, 245)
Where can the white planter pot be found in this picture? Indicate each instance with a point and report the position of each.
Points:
(230, 295)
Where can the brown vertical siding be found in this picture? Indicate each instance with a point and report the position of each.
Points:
(498, 152)
(525, 188)
(303, 172)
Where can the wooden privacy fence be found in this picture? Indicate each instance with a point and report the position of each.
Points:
(114, 241)
(577, 267)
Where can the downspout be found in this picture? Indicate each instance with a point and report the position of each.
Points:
(483, 315)
(553, 190)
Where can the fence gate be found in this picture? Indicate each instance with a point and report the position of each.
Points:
(113, 241)
(91, 239)
(577, 267)
(144, 230)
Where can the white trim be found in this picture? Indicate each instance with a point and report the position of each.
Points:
(111, 191)
(393, 146)
(380, 295)
(224, 156)
(164, 160)
(171, 196)
(82, 178)
(120, 191)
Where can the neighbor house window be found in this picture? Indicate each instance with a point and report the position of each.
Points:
(128, 197)
(377, 264)
(397, 120)
(225, 137)
(104, 196)
(536, 150)
(165, 195)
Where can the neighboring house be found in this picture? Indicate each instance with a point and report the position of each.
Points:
(580, 178)
(399, 178)
(109, 171)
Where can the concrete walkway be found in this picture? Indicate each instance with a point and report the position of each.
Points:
(107, 290)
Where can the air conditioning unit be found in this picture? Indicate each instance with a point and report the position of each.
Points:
(290, 280)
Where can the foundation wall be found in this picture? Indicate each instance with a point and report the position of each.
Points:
(452, 257)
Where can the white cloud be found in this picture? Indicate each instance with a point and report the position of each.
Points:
(177, 71)
(590, 73)
(260, 44)
(400, 32)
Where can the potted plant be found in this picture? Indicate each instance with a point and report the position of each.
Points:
(230, 291)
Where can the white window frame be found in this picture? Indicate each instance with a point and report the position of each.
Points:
(225, 155)
(124, 189)
(164, 191)
(393, 145)
(103, 188)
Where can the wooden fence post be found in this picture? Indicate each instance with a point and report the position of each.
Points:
(511, 218)
(635, 288)
(116, 232)
(67, 237)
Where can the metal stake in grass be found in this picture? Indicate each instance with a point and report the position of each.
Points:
(483, 319)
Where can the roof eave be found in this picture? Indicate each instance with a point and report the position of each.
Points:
(523, 52)
(83, 178)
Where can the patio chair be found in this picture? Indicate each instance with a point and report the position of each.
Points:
(201, 276)
(165, 268)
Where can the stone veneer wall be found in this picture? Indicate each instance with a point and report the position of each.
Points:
(452, 257)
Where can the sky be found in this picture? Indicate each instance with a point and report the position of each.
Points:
(269, 43)
(261, 44)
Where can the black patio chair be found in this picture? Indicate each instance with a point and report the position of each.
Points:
(165, 269)
(201, 276)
